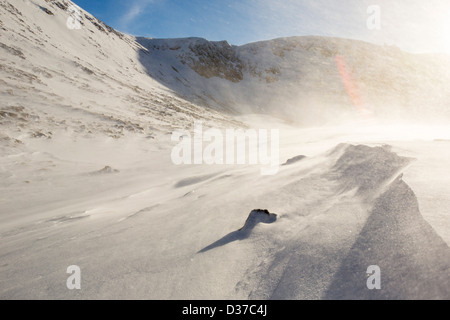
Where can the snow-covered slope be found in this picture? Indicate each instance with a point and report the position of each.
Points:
(86, 80)
(308, 80)
(178, 234)
(115, 83)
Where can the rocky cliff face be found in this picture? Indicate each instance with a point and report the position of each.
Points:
(214, 60)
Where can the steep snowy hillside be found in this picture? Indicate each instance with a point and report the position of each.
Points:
(86, 80)
(310, 80)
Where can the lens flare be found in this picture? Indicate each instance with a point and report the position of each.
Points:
(350, 86)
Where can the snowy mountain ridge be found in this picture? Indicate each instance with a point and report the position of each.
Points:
(301, 77)
(298, 79)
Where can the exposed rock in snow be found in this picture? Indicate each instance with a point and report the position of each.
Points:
(106, 170)
(294, 160)
(258, 216)
(254, 218)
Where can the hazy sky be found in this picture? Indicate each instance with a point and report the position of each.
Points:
(413, 25)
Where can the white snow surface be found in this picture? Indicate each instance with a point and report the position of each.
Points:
(87, 178)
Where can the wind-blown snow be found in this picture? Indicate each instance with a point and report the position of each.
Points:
(299, 78)
(86, 176)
